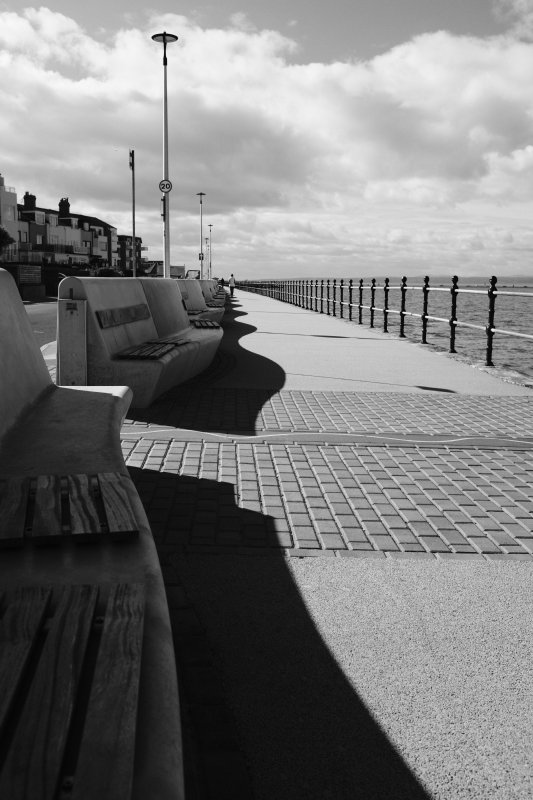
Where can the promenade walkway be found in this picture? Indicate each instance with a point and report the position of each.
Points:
(344, 521)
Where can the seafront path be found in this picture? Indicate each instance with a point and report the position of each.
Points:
(344, 521)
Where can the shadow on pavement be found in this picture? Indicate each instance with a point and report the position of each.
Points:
(249, 652)
(220, 399)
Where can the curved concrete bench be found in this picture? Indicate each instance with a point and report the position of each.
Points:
(128, 331)
(191, 291)
(214, 294)
(51, 438)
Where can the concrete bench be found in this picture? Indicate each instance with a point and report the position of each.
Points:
(214, 295)
(191, 291)
(129, 331)
(89, 691)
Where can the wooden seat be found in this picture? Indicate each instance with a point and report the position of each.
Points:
(70, 661)
(84, 507)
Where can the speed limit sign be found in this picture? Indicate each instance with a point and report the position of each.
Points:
(165, 186)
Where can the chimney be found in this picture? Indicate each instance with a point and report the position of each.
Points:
(64, 207)
(29, 202)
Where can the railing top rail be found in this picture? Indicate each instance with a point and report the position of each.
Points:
(512, 333)
(514, 294)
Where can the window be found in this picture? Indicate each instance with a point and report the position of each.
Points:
(38, 239)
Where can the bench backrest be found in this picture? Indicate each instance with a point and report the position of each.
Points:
(24, 375)
(209, 288)
(118, 315)
(166, 305)
(192, 294)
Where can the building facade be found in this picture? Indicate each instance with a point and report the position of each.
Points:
(49, 236)
(126, 252)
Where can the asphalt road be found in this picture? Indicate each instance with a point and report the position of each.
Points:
(43, 320)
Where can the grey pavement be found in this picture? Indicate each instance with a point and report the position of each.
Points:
(344, 521)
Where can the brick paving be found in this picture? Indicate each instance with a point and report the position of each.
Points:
(257, 411)
(348, 499)
(444, 476)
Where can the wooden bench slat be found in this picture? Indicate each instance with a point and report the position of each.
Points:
(21, 622)
(83, 506)
(121, 518)
(204, 323)
(148, 350)
(47, 511)
(32, 767)
(105, 761)
(84, 516)
(13, 503)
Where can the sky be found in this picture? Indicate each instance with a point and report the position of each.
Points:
(354, 138)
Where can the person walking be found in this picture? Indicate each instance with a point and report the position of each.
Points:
(231, 284)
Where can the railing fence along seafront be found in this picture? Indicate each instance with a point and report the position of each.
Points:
(349, 298)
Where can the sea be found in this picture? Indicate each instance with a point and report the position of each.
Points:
(512, 356)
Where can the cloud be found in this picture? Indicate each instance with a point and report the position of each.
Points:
(519, 13)
(305, 166)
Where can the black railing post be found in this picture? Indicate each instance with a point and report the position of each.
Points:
(350, 297)
(322, 295)
(386, 306)
(306, 293)
(493, 292)
(403, 289)
(372, 300)
(360, 301)
(327, 296)
(334, 295)
(425, 291)
(453, 315)
(341, 301)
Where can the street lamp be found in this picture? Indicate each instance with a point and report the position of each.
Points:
(165, 185)
(134, 251)
(201, 255)
(210, 251)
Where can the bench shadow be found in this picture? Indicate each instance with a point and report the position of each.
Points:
(207, 403)
(248, 650)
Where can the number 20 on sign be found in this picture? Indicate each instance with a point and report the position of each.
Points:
(165, 186)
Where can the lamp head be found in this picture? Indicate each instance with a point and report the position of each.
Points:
(164, 37)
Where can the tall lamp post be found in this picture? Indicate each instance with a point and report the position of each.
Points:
(165, 185)
(134, 251)
(201, 254)
(210, 251)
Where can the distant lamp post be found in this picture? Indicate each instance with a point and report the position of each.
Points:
(134, 251)
(165, 185)
(201, 254)
(210, 251)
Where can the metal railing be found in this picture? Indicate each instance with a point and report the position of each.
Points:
(343, 298)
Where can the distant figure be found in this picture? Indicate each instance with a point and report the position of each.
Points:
(231, 283)
(222, 282)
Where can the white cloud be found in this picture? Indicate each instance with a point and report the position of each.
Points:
(519, 13)
(306, 166)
